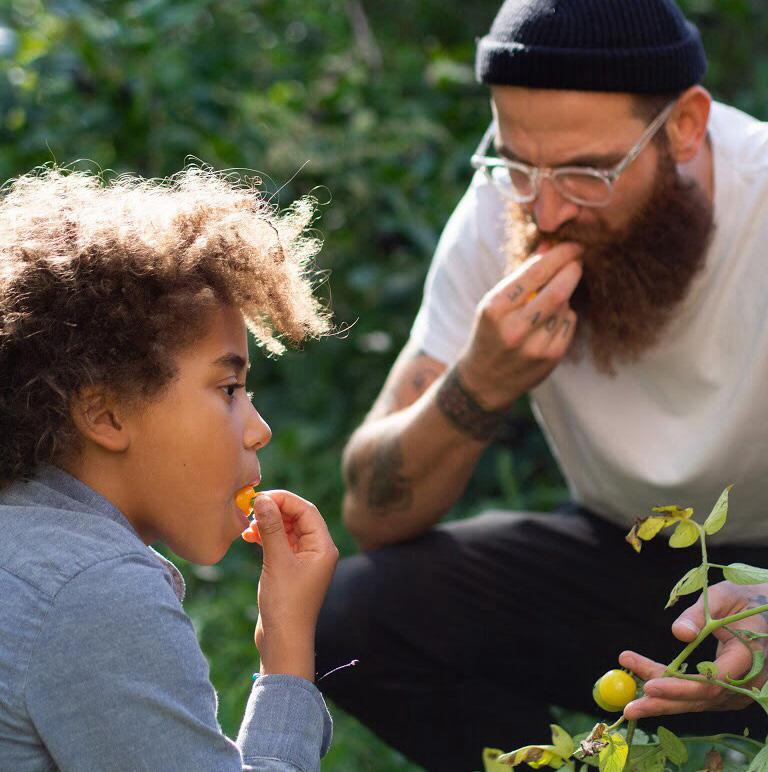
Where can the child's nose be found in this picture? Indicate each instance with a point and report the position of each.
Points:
(257, 431)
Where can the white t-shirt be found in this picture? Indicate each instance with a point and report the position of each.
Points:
(688, 418)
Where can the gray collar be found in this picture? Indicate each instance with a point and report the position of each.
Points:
(67, 489)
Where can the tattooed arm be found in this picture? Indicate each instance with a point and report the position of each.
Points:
(408, 463)
(411, 459)
(664, 696)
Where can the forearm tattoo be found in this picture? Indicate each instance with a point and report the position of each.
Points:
(388, 488)
(461, 408)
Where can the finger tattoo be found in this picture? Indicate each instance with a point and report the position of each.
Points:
(515, 293)
(551, 323)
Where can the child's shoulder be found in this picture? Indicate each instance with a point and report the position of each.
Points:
(46, 545)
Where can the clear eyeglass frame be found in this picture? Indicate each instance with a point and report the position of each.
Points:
(584, 185)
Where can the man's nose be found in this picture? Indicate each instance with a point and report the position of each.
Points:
(550, 209)
(257, 432)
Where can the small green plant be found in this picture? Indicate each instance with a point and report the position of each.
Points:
(618, 748)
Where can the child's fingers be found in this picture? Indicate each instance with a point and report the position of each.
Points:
(303, 519)
(269, 520)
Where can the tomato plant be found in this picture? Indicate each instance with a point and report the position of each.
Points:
(627, 749)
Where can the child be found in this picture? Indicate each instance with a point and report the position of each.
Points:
(124, 421)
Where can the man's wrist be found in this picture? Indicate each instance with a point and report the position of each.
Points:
(460, 406)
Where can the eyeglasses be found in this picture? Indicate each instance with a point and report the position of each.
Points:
(584, 185)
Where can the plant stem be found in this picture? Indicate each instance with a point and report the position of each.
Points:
(708, 628)
(717, 682)
(705, 563)
(630, 734)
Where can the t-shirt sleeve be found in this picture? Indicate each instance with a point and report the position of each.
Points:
(468, 262)
(117, 681)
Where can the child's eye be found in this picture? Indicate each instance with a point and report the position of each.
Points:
(232, 388)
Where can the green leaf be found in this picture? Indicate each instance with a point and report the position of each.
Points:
(672, 746)
(646, 758)
(692, 581)
(760, 762)
(716, 519)
(741, 573)
(562, 741)
(708, 669)
(614, 756)
(686, 533)
(758, 663)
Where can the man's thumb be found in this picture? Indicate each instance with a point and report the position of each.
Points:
(685, 628)
(269, 519)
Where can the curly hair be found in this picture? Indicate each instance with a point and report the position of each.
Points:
(102, 282)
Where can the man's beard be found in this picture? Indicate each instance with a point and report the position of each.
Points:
(634, 279)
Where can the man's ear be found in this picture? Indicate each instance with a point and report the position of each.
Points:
(687, 125)
(99, 417)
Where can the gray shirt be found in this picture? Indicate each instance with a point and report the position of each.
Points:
(100, 668)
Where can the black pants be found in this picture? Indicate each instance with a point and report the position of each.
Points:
(467, 634)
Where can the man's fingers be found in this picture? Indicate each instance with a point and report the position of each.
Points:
(655, 706)
(734, 660)
(688, 625)
(641, 666)
(536, 272)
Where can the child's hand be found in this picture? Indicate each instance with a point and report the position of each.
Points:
(299, 560)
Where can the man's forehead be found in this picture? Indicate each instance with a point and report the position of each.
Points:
(551, 127)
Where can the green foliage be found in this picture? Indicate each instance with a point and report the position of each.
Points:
(370, 106)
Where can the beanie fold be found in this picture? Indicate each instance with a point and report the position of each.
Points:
(528, 50)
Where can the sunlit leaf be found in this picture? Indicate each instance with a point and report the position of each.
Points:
(614, 756)
(535, 756)
(562, 741)
(686, 533)
(691, 582)
(646, 528)
(741, 573)
(717, 517)
(490, 760)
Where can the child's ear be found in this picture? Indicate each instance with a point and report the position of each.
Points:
(98, 416)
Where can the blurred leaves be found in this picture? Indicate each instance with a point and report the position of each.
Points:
(372, 108)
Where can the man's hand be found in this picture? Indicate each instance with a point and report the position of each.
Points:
(299, 560)
(665, 695)
(523, 328)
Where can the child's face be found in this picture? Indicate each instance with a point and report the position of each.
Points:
(192, 449)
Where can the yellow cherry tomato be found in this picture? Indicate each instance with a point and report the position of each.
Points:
(244, 498)
(614, 690)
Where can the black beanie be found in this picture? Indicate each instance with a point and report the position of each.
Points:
(634, 46)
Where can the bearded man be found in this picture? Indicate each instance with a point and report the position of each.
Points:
(609, 260)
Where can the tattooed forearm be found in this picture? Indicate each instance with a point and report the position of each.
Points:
(461, 408)
(388, 488)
